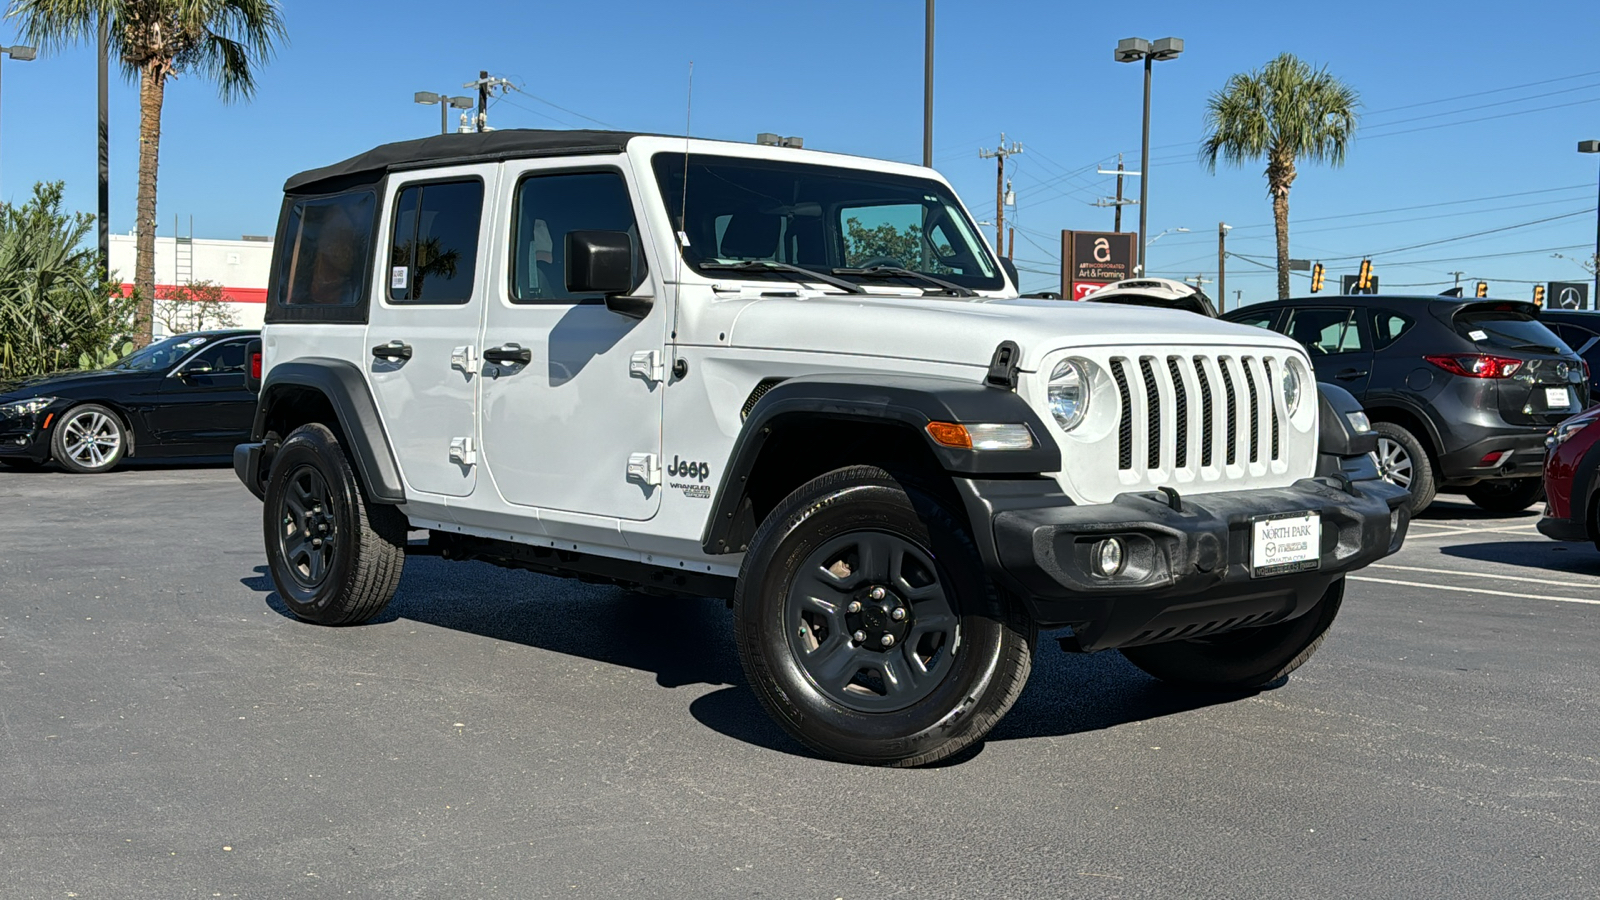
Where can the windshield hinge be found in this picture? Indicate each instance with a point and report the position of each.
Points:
(1003, 366)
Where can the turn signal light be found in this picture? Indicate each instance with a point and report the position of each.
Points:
(255, 365)
(1476, 365)
(981, 437)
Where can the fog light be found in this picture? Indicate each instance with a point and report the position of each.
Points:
(1108, 557)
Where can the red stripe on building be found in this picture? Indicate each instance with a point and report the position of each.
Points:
(231, 294)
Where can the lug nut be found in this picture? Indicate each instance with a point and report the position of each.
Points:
(859, 636)
(854, 607)
(888, 640)
(316, 542)
(897, 614)
(876, 593)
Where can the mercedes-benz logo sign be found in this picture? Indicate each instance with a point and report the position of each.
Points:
(1569, 298)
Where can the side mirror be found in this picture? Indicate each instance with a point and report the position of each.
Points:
(1011, 272)
(197, 367)
(601, 262)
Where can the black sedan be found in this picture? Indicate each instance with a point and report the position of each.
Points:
(181, 397)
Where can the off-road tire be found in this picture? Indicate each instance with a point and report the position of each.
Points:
(990, 655)
(79, 427)
(1506, 496)
(349, 577)
(1245, 659)
(1424, 483)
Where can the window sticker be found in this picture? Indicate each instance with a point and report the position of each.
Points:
(1478, 335)
(398, 276)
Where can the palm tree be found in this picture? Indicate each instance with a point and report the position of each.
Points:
(1285, 112)
(220, 40)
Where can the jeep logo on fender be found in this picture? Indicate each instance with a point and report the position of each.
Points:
(683, 468)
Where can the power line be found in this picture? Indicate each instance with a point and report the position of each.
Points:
(1475, 234)
(519, 89)
(1452, 112)
(1508, 115)
(1499, 90)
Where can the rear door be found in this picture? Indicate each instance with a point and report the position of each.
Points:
(424, 365)
(1338, 341)
(1548, 385)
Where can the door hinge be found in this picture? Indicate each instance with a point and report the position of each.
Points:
(646, 363)
(462, 452)
(465, 359)
(644, 468)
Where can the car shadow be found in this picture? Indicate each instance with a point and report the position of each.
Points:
(1454, 508)
(690, 642)
(1544, 555)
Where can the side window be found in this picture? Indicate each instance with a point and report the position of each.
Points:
(434, 252)
(328, 239)
(1262, 319)
(224, 358)
(548, 208)
(1387, 327)
(1326, 331)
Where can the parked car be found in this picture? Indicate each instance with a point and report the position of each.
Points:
(184, 396)
(1570, 482)
(1580, 330)
(1461, 391)
(678, 365)
(1165, 293)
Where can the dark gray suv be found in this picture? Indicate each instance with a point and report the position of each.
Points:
(1461, 392)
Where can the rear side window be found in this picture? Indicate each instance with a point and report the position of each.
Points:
(433, 255)
(1327, 331)
(1507, 330)
(327, 244)
(549, 207)
(1263, 319)
(1387, 327)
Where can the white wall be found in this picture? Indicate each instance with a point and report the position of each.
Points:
(241, 267)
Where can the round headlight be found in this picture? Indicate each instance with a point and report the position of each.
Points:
(1293, 385)
(1069, 393)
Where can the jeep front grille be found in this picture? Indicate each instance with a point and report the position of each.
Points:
(1169, 404)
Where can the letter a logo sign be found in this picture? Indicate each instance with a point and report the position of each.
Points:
(1102, 250)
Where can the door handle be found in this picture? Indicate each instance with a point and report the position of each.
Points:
(392, 351)
(509, 355)
(1348, 374)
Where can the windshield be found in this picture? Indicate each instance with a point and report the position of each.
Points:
(822, 218)
(160, 355)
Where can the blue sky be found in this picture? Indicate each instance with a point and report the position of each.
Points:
(847, 76)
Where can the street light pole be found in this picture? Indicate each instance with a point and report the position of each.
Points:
(927, 90)
(1594, 299)
(1222, 265)
(445, 104)
(19, 52)
(1134, 50)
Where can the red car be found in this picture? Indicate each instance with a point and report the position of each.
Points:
(1572, 454)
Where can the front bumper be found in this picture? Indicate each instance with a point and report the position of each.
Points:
(1563, 529)
(1189, 570)
(26, 437)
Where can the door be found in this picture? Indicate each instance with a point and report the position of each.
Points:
(423, 329)
(1337, 340)
(571, 415)
(203, 405)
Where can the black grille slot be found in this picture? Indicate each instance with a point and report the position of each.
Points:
(1152, 408)
(1233, 411)
(1255, 407)
(1125, 427)
(1205, 411)
(1180, 416)
(1272, 403)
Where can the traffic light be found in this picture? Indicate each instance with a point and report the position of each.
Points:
(1538, 295)
(1364, 279)
(1483, 289)
(1316, 278)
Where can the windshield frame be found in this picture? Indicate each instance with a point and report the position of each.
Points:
(667, 168)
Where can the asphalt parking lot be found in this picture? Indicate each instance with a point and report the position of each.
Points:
(167, 730)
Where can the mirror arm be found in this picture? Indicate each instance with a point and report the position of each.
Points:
(634, 307)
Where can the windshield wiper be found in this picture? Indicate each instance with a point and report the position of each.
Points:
(767, 265)
(899, 272)
(1544, 348)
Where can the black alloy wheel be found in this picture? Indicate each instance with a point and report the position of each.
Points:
(868, 628)
(335, 556)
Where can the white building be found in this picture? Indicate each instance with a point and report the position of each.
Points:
(239, 267)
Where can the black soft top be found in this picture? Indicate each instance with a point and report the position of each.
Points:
(451, 149)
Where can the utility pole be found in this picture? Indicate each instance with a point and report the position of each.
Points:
(999, 155)
(1222, 264)
(927, 91)
(1458, 277)
(485, 84)
(1119, 202)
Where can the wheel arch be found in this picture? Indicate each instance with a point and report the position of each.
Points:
(131, 426)
(1412, 420)
(333, 392)
(812, 424)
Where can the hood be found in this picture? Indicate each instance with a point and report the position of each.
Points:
(967, 331)
(44, 385)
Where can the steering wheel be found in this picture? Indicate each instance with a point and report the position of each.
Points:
(880, 261)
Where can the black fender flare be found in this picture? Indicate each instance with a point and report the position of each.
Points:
(345, 387)
(910, 401)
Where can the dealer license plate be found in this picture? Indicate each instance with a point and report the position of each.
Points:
(1557, 398)
(1285, 543)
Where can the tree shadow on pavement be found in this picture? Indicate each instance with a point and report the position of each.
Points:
(690, 642)
(1543, 554)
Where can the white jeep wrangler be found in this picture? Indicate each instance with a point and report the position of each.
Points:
(801, 382)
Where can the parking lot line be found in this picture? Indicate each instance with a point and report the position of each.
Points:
(1577, 584)
(1453, 530)
(1469, 590)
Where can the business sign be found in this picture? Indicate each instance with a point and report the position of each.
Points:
(1093, 259)
(1347, 284)
(1567, 295)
